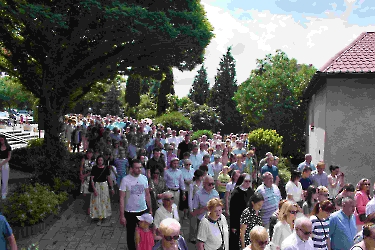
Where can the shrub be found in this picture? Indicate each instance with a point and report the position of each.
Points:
(35, 143)
(199, 133)
(32, 204)
(174, 120)
(266, 140)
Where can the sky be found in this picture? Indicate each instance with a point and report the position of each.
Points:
(311, 31)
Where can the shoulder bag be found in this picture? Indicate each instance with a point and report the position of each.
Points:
(91, 189)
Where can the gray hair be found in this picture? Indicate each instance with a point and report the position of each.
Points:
(187, 161)
(299, 222)
(169, 226)
(307, 155)
(167, 193)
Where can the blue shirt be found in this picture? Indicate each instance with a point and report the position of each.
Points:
(235, 166)
(302, 165)
(342, 230)
(201, 198)
(174, 179)
(305, 182)
(6, 231)
(273, 170)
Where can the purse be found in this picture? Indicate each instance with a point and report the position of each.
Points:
(362, 217)
(91, 189)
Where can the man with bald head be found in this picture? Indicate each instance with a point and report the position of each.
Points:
(300, 238)
(272, 196)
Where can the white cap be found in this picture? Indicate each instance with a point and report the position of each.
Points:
(146, 217)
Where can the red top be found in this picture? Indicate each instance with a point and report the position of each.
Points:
(146, 241)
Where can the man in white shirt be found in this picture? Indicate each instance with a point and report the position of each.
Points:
(134, 200)
(300, 238)
(195, 158)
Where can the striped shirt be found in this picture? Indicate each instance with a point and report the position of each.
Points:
(320, 229)
(271, 197)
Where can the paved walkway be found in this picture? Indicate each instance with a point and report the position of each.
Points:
(75, 230)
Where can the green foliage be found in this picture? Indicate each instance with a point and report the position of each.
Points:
(60, 185)
(199, 133)
(266, 140)
(271, 98)
(146, 107)
(32, 204)
(174, 120)
(182, 102)
(221, 94)
(166, 87)
(133, 90)
(112, 102)
(200, 89)
(14, 94)
(35, 143)
(202, 116)
(284, 167)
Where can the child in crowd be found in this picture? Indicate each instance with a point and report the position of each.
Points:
(305, 178)
(144, 236)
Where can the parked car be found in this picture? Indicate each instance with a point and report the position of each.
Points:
(4, 117)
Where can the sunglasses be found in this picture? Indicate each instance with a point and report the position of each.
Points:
(170, 238)
(367, 184)
(169, 199)
(305, 233)
(263, 243)
(211, 184)
(326, 195)
(293, 212)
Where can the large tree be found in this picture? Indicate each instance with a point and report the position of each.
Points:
(200, 89)
(14, 95)
(133, 90)
(222, 92)
(271, 98)
(58, 47)
(112, 103)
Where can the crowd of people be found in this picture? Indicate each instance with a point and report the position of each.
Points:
(163, 177)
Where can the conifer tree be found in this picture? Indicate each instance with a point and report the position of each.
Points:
(112, 103)
(166, 87)
(200, 90)
(221, 94)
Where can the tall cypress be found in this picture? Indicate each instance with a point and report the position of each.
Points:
(133, 90)
(200, 90)
(166, 87)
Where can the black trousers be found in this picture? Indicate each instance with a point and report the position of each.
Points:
(131, 223)
(234, 239)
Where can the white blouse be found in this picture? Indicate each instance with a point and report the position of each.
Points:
(280, 232)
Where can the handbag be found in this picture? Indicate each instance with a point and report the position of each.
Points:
(91, 189)
(362, 217)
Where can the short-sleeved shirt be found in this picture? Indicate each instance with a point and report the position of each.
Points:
(135, 188)
(319, 179)
(305, 182)
(212, 235)
(272, 198)
(6, 231)
(184, 147)
(304, 164)
(250, 219)
(100, 174)
(4, 154)
(292, 189)
(273, 170)
(201, 198)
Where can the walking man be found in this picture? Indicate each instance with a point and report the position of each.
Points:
(134, 200)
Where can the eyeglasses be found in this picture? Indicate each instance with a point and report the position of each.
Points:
(263, 243)
(211, 184)
(366, 184)
(187, 164)
(169, 199)
(293, 211)
(170, 238)
(326, 195)
(305, 233)
(247, 181)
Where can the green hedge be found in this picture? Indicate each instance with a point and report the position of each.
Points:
(266, 140)
(174, 120)
(199, 133)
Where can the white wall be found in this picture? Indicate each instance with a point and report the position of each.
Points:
(350, 137)
(317, 116)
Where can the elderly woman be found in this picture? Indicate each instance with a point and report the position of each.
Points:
(171, 239)
(250, 218)
(213, 228)
(362, 197)
(368, 241)
(258, 238)
(187, 174)
(284, 227)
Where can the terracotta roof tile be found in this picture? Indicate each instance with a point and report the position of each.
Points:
(359, 56)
